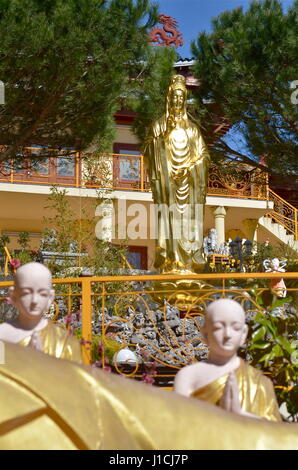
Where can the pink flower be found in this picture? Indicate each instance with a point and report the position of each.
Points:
(147, 379)
(84, 342)
(144, 354)
(151, 368)
(96, 364)
(78, 315)
(70, 318)
(67, 319)
(15, 263)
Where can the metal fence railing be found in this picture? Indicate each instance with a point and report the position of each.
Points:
(124, 310)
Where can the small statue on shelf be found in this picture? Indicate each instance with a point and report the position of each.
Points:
(277, 286)
(210, 243)
(224, 249)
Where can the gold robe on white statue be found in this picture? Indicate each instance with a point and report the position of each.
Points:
(57, 341)
(256, 392)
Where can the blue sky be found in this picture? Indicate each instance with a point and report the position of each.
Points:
(194, 16)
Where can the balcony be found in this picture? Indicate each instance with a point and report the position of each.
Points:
(121, 172)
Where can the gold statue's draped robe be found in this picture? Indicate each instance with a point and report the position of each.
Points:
(47, 403)
(256, 392)
(57, 341)
(178, 164)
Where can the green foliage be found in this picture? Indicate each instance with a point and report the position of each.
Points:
(4, 240)
(272, 347)
(23, 256)
(71, 232)
(245, 67)
(60, 229)
(65, 64)
(254, 262)
(263, 251)
(150, 100)
(24, 240)
(110, 346)
(68, 230)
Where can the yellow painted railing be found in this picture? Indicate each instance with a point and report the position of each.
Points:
(7, 260)
(284, 213)
(97, 295)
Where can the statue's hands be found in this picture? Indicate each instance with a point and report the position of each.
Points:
(230, 399)
(35, 341)
(171, 123)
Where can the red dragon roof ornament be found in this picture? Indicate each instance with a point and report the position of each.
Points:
(161, 36)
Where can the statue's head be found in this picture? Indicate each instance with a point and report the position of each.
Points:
(224, 329)
(177, 95)
(32, 293)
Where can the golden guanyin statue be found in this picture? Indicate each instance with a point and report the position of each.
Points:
(48, 403)
(178, 161)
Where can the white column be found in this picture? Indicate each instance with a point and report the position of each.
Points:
(219, 215)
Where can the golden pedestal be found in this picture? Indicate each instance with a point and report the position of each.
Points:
(184, 294)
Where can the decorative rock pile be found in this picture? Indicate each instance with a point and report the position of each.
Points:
(161, 333)
(7, 311)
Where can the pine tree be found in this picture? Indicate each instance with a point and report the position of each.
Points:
(150, 100)
(245, 68)
(65, 64)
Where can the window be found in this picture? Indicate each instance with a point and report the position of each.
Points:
(137, 257)
(127, 169)
(41, 167)
(66, 166)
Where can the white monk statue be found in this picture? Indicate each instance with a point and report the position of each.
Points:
(32, 296)
(224, 379)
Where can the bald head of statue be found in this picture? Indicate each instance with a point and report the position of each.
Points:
(32, 293)
(224, 329)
